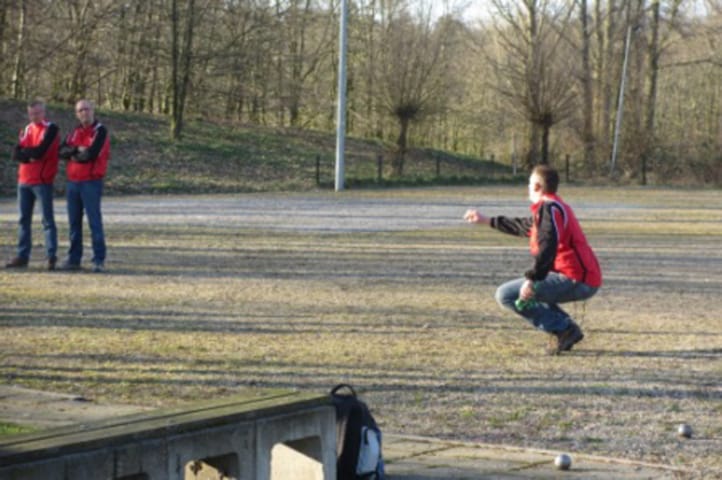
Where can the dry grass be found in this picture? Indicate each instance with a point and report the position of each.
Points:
(190, 311)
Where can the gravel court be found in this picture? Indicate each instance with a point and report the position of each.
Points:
(328, 212)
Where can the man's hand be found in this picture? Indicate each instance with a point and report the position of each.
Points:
(473, 216)
(527, 290)
(66, 152)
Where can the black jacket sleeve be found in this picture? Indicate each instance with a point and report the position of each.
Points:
(67, 151)
(39, 151)
(19, 155)
(547, 242)
(94, 149)
(513, 226)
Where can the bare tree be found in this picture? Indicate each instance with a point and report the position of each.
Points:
(414, 77)
(412, 69)
(534, 73)
(658, 42)
(181, 56)
(304, 51)
(363, 53)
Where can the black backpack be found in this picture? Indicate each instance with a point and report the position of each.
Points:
(358, 438)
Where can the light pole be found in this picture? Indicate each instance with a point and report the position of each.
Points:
(341, 114)
(620, 103)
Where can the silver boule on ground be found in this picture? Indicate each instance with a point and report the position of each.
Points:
(563, 461)
(684, 430)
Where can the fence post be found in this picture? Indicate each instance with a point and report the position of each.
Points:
(318, 170)
(566, 167)
(379, 168)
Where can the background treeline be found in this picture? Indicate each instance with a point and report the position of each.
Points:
(534, 81)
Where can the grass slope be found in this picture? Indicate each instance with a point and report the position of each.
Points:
(227, 158)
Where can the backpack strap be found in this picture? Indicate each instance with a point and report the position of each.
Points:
(340, 386)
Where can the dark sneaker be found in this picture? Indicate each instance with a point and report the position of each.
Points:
(51, 263)
(69, 267)
(569, 337)
(17, 262)
(98, 267)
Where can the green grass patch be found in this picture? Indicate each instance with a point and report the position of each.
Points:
(214, 157)
(14, 429)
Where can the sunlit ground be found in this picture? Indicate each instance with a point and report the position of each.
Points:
(390, 291)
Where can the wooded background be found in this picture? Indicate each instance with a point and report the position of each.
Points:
(533, 79)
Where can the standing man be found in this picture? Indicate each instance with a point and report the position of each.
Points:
(565, 268)
(37, 153)
(87, 150)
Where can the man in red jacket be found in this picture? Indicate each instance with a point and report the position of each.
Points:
(87, 150)
(37, 153)
(565, 268)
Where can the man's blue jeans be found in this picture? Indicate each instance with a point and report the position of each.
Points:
(85, 196)
(546, 314)
(27, 194)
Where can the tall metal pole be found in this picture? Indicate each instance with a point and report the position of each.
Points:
(341, 114)
(620, 103)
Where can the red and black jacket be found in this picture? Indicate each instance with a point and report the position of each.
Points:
(556, 241)
(91, 163)
(37, 152)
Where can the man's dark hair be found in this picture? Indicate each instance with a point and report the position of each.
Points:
(549, 178)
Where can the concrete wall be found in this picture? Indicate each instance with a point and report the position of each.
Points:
(290, 446)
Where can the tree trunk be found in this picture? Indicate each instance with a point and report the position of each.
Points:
(588, 93)
(181, 65)
(370, 50)
(608, 95)
(546, 129)
(637, 80)
(652, 93)
(397, 164)
(81, 45)
(18, 67)
(175, 90)
(187, 58)
(601, 75)
(298, 54)
(532, 157)
(3, 46)
(153, 96)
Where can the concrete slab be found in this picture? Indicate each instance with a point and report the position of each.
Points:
(41, 409)
(407, 457)
(421, 458)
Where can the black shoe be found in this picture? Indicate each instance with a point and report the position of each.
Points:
(51, 263)
(17, 262)
(569, 337)
(69, 267)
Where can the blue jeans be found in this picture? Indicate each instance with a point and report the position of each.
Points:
(85, 196)
(27, 194)
(546, 314)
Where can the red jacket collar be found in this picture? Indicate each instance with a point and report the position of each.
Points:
(89, 127)
(547, 197)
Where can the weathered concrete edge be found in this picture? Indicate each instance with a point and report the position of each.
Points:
(494, 446)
